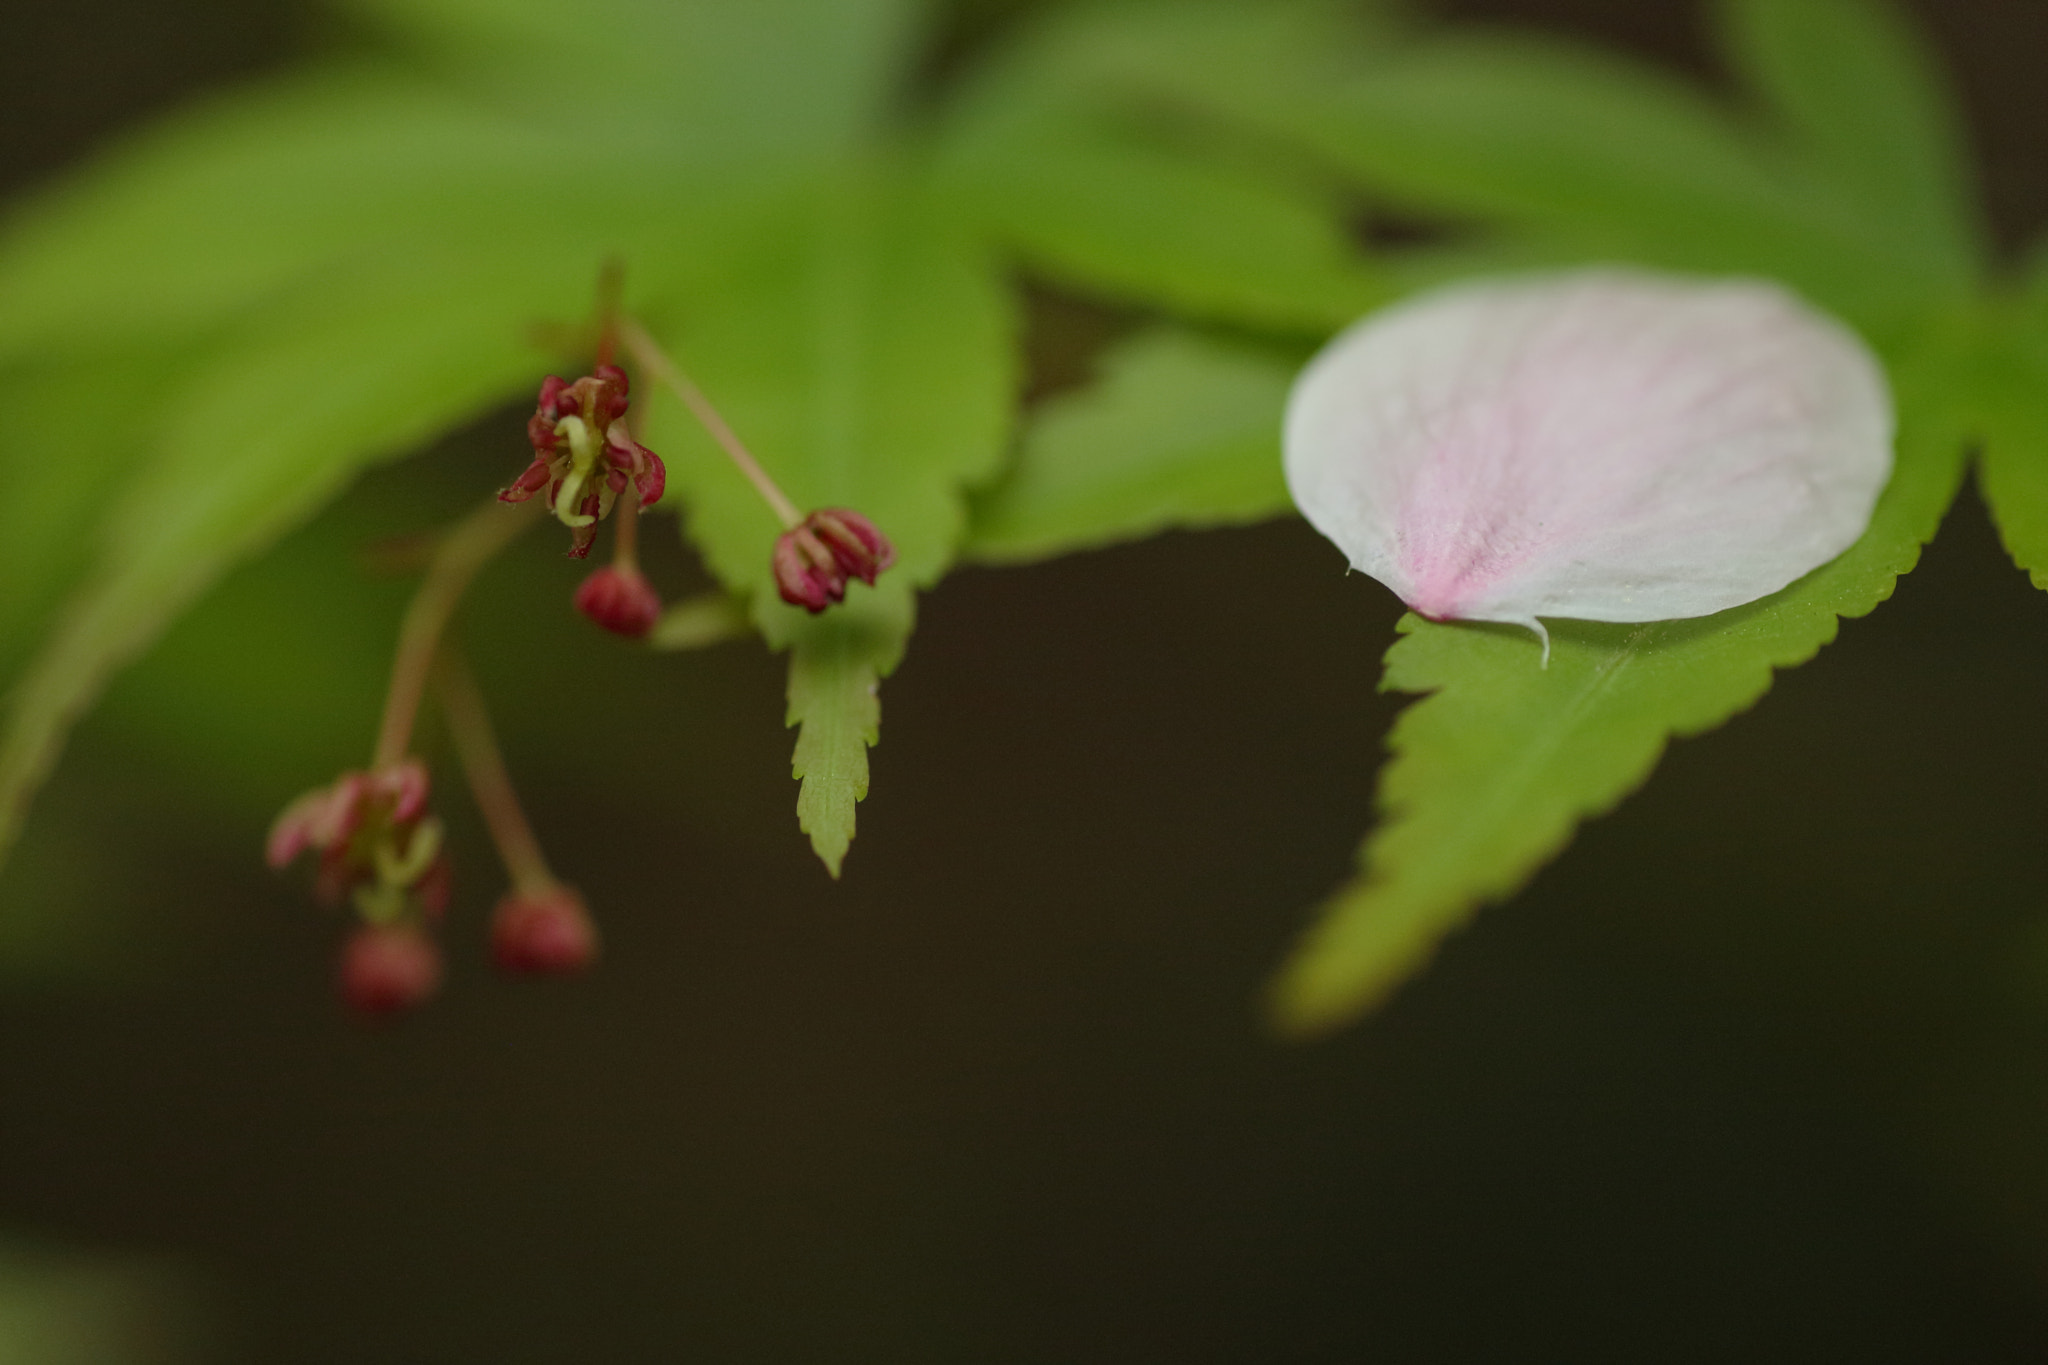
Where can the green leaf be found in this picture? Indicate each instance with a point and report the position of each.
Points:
(1144, 205)
(1494, 770)
(1181, 431)
(861, 344)
(712, 81)
(223, 208)
(1859, 95)
(1602, 156)
(263, 433)
(835, 675)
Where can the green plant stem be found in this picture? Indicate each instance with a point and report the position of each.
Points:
(650, 357)
(483, 764)
(464, 550)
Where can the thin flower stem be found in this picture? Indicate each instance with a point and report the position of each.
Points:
(626, 539)
(483, 763)
(465, 549)
(648, 353)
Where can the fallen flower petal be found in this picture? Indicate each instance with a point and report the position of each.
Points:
(1604, 445)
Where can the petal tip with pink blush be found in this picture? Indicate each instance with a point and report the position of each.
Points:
(1602, 445)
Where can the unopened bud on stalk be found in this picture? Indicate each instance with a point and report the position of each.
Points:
(815, 558)
(546, 933)
(389, 968)
(621, 600)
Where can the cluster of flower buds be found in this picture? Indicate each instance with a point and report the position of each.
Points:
(380, 849)
(584, 455)
(815, 559)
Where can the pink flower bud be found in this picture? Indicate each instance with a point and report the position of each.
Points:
(859, 549)
(620, 600)
(387, 969)
(543, 934)
(814, 560)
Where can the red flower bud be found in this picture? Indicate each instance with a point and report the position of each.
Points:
(620, 600)
(386, 969)
(814, 560)
(543, 934)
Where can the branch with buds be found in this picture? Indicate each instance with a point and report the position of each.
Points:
(379, 847)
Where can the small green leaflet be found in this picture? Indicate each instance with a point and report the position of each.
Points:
(863, 343)
(1181, 431)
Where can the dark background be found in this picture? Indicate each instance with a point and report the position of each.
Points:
(1757, 1071)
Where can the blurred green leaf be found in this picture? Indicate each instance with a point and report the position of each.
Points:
(1601, 156)
(862, 344)
(1866, 108)
(176, 234)
(707, 82)
(2012, 378)
(1140, 205)
(1494, 770)
(1180, 432)
(68, 1309)
(253, 445)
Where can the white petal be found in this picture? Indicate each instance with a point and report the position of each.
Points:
(1607, 445)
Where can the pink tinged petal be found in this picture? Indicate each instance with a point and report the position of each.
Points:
(652, 479)
(1604, 445)
(293, 832)
(405, 785)
(528, 483)
(806, 573)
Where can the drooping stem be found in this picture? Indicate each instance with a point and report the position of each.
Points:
(651, 358)
(483, 763)
(626, 539)
(464, 550)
